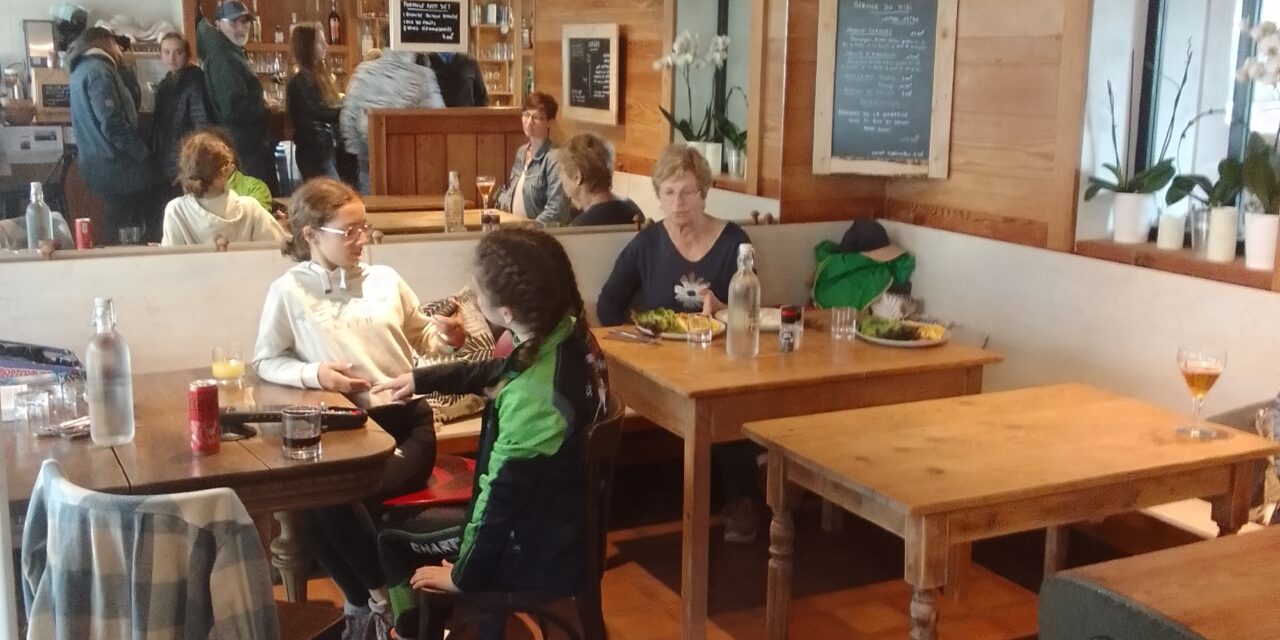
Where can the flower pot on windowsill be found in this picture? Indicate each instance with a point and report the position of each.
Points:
(1260, 240)
(736, 161)
(1131, 217)
(1171, 232)
(1222, 235)
(714, 152)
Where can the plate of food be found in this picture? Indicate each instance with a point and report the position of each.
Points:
(770, 318)
(673, 325)
(901, 333)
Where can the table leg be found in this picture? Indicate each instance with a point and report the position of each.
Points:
(781, 497)
(927, 550)
(832, 517)
(1231, 509)
(959, 563)
(1055, 549)
(289, 556)
(697, 522)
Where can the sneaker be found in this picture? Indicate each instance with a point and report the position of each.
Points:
(740, 524)
(370, 622)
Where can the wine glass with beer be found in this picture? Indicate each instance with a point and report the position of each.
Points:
(484, 185)
(1200, 369)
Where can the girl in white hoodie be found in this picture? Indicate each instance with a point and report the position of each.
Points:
(209, 209)
(333, 322)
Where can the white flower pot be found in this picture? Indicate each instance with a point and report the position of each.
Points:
(1131, 217)
(1260, 240)
(1171, 232)
(714, 151)
(1222, 235)
(736, 162)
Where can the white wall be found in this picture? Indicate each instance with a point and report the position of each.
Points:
(13, 12)
(729, 205)
(172, 308)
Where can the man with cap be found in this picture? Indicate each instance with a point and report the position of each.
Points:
(861, 268)
(238, 104)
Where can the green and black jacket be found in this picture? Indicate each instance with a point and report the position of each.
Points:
(526, 521)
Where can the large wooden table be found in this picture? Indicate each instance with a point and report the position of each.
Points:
(159, 460)
(702, 396)
(947, 472)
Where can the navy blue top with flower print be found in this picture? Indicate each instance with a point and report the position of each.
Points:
(650, 274)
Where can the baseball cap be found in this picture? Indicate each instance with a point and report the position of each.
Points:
(233, 10)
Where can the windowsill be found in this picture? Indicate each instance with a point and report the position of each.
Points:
(729, 183)
(1182, 261)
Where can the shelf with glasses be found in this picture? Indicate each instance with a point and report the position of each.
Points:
(492, 26)
(284, 47)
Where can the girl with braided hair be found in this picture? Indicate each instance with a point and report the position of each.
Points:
(542, 398)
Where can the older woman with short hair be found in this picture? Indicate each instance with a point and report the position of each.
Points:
(685, 264)
(533, 189)
(586, 175)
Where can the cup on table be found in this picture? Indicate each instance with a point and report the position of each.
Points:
(228, 365)
(130, 235)
(699, 336)
(300, 434)
(69, 401)
(844, 323)
(33, 411)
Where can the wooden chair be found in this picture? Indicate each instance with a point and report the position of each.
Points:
(601, 453)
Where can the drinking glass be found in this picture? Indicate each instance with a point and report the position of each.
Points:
(70, 402)
(699, 336)
(301, 432)
(130, 235)
(228, 365)
(844, 323)
(484, 185)
(33, 411)
(1200, 368)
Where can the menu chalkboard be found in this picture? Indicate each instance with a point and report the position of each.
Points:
(430, 23)
(589, 69)
(55, 96)
(884, 75)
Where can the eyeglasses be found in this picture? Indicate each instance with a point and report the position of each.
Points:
(684, 194)
(350, 233)
(534, 116)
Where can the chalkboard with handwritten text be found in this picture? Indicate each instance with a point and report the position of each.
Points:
(589, 68)
(884, 66)
(419, 25)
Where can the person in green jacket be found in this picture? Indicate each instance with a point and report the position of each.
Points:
(238, 103)
(861, 268)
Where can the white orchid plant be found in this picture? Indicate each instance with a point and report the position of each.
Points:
(686, 54)
(1261, 167)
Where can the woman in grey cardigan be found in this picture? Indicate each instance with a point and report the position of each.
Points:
(535, 175)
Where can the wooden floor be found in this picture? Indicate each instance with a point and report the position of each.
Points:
(847, 585)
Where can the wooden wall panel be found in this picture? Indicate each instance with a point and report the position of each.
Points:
(1016, 126)
(641, 133)
(412, 151)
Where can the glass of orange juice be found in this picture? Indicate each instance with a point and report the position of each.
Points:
(228, 365)
(1200, 368)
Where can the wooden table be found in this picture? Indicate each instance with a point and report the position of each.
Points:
(947, 472)
(702, 396)
(1220, 589)
(382, 204)
(159, 460)
(407, 222)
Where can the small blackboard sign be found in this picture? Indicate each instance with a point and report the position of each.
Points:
(421, 25)
(884, 86)
(590, 72)
(589, 64)
(55, 96)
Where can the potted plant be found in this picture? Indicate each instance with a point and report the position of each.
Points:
(735, 136)
(1134, 200)
(1262, 160)
(1218, 198)
(686, 53)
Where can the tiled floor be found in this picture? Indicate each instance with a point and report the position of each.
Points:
(847, 584)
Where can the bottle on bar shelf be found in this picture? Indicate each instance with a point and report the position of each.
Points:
(255, 27)
(742, 339)
(109, 387)
(454, 206)
(279, 34)
(39, 220)
(335, 23)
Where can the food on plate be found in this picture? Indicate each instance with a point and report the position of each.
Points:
(899, 330)
(658, 321)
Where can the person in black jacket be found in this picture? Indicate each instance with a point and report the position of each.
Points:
(182, 105)
(313, 104)
(460, 78)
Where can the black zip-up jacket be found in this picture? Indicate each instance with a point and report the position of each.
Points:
(182, 106)
(313, 119)
(461, 81)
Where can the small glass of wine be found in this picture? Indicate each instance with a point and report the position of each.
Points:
(484, 184)
(1200, 369)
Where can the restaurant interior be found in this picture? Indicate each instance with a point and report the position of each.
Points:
(1089, 191)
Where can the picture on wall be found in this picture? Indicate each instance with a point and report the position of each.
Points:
(591, 64)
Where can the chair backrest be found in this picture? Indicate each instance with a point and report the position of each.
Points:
(601, 451)
(193, 564)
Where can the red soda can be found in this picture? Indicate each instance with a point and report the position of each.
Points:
(84, 233)
(202, 416)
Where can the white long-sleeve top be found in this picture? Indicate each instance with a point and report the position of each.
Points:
(367, 316)
(192, 220)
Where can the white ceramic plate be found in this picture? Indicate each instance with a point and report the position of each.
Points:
(770, 318)
(906, 344)
(717, 327)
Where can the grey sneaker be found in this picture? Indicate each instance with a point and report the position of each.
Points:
(741, 524)
(370, 622)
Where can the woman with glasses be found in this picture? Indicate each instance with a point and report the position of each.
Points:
(533, 189)
(209, 208)
(685, 264)
(333, 322)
